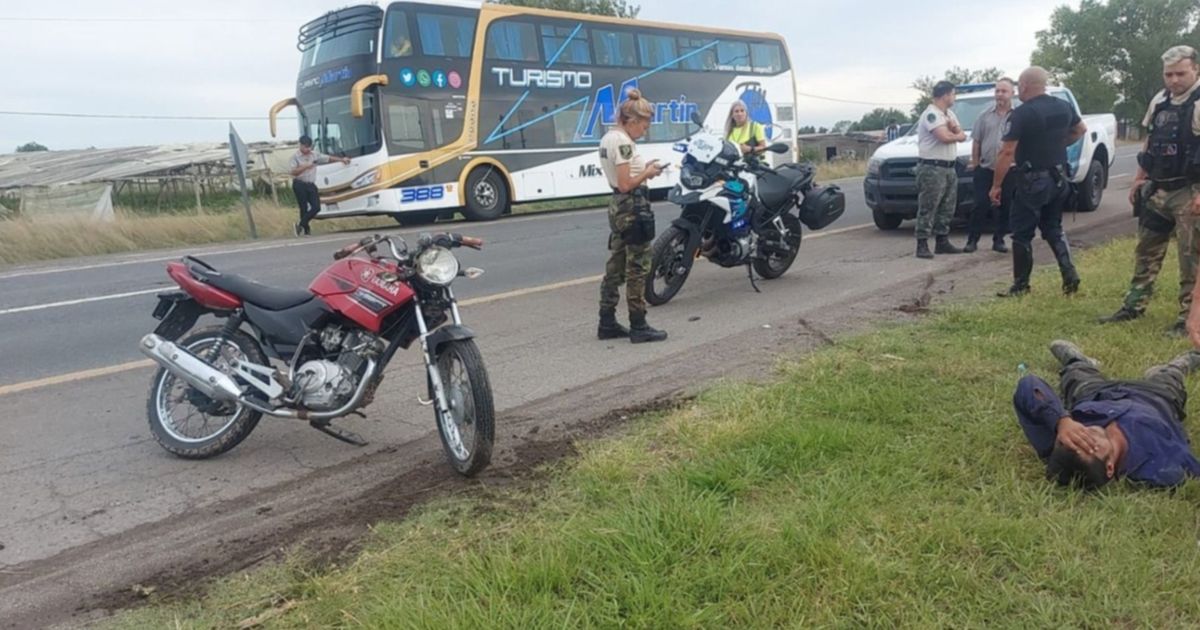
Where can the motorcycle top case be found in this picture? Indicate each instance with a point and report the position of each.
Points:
(822, 205)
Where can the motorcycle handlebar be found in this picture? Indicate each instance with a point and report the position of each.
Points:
(345, 251)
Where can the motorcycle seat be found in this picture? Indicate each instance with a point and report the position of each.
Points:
(250, 290)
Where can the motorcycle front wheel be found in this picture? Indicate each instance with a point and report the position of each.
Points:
(468, 429)
(189, 424)
(670, 263)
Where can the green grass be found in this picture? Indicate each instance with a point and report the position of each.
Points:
(882, 482)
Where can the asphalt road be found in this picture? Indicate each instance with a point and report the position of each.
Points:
(77, 463)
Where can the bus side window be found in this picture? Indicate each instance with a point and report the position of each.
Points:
(613, 48)
(512, 41)
(767, 58)
(657, 50)
(556, 45)
(733, 55)
(698, 53)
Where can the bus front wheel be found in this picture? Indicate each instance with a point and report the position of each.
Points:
(487, 194)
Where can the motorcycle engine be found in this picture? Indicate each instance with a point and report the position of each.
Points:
(325, 384)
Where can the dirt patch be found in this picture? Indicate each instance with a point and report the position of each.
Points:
(328, 512)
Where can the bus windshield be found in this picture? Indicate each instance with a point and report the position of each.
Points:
(326, 49)
(335, 131)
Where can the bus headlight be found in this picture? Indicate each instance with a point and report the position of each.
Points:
(437, 266)
(366, 179)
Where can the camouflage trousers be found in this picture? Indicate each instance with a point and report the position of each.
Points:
(937, 198)
(1165, 212)
(627, 264)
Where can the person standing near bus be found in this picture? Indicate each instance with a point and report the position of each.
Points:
(748, 135)
(303, 169)
(631, 221)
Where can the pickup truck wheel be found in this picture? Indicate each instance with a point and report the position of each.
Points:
(1091, 190)
(885, 221)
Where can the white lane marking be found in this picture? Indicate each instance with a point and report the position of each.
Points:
(71, 377)
(335, 238)
(98, 298)
(1119, 175)
(117, 296)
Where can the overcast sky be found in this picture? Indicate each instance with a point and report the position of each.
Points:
(235, 58)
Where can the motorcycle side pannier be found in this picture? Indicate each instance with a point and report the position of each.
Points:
(822, 205)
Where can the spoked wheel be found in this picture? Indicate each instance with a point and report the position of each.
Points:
(670, 263)
(469, 429)
(188, 423)
(774, 264)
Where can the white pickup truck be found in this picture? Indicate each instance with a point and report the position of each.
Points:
(891, 186)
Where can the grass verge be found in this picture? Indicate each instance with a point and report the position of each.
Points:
(882, 482)
(829, 171)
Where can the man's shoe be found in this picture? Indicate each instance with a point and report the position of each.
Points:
(943, 246)
(1123, 314)
(1014, 291)
(1070, 285)
(610, 328)
(1188, 362)
(1179, 329)
(971, 247)
(999, 246)
(923, 248)
(641, 332)
(1067, 353)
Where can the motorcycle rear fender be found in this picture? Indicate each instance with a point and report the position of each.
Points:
(445, 335)
(177, 312)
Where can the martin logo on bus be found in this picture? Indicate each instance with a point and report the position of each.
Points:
(531, 77)
(604, 108)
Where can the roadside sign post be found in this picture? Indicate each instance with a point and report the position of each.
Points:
(241, 158)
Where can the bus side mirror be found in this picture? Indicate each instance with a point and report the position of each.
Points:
(778, 147)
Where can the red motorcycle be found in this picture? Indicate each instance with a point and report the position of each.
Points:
(317, 354)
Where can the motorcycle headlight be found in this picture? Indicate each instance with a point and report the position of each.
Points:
(873, 166)
(366, 179)
(437, 266)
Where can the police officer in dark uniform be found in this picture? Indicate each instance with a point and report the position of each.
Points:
(1035, 143)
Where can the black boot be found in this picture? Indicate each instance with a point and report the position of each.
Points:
(609, 327)
(998, 245)
(641, 332)
(1062, 253)
(1022, 267)
(923, 248)
(1123, 314)
(972, 244)
(943, 246)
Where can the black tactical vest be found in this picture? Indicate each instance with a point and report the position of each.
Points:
(1173, 147)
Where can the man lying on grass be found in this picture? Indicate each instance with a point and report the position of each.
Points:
(1114, 428)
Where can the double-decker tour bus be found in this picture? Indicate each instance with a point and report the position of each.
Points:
(446, 106)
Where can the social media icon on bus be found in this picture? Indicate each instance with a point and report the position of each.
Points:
(455, 79)
(407, 77)
(423, 78)
(439, 78)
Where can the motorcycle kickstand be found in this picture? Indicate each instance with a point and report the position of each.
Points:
(338, 433)
(750, 274)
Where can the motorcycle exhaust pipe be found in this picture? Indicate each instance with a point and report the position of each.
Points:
(191, 368)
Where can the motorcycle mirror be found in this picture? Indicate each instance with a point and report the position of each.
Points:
(778, 147)
(697, 119)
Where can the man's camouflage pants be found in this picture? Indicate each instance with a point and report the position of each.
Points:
(937, 198)
(628, 264)
(1165, 212)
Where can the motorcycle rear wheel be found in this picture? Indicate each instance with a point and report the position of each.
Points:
(670, 263)
(469, 429)
(775, 265)
(189, 424)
